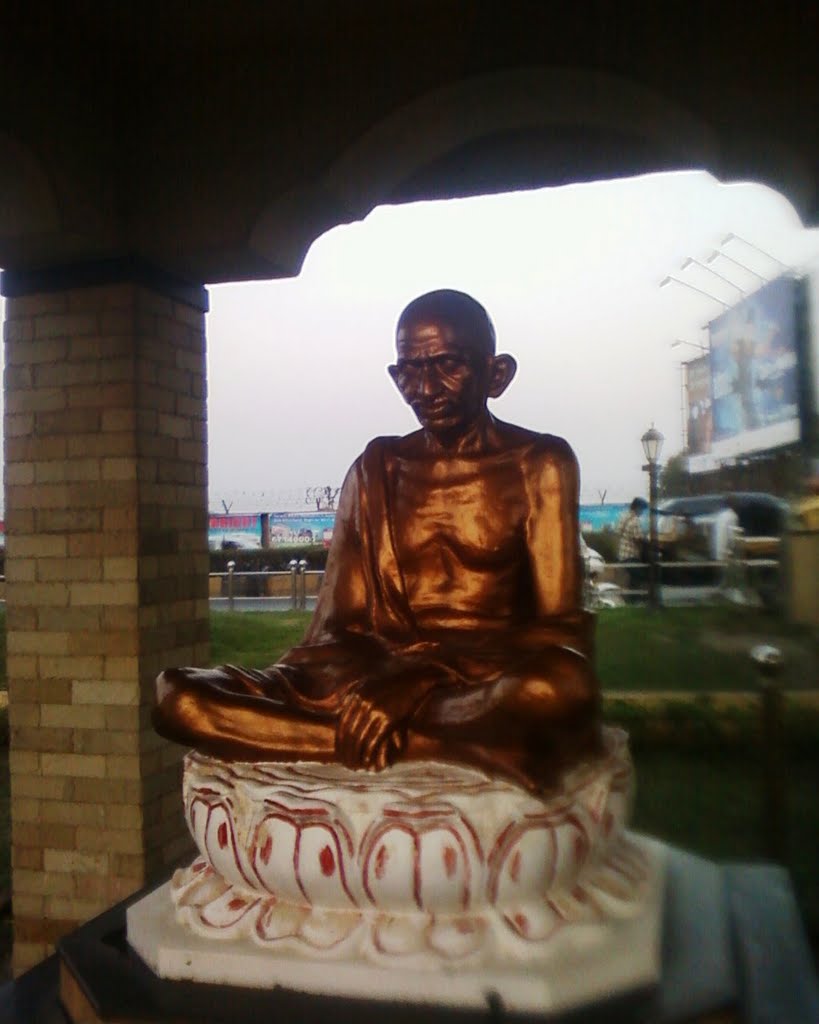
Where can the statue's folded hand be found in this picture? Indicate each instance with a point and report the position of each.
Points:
(372, 727)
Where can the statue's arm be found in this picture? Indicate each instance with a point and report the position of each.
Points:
(552, 481)
(342, 602)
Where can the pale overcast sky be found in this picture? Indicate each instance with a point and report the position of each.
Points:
(570, 276)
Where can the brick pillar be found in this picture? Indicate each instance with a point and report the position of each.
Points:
(106, 568)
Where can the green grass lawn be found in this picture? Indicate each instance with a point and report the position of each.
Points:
(692, 790)
(694, 649)
(697, 649)
(254, 639)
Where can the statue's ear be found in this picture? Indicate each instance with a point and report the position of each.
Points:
(395, 373)
(503, 370)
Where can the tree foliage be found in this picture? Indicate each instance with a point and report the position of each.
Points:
(675, 480)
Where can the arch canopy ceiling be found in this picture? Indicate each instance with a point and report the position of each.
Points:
(217, 141)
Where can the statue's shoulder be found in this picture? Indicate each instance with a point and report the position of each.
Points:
(537, 448)
(406, 446)
(553, 447)
(378, 448)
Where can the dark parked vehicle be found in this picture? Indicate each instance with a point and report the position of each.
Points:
(715, 527)
(702, 528)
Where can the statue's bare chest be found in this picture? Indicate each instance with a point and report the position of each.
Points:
(469, 515)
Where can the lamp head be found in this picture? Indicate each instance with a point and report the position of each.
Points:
(652, 441)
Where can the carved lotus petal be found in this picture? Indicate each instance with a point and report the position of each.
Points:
(400, 934)
(457, 937)
(303, 861)
(422, 858)
(279, 921)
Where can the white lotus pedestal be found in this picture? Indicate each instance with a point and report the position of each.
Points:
(425, 883)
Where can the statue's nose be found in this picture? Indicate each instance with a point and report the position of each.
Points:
(430, 383)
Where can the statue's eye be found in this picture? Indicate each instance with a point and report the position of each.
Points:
(448, 364)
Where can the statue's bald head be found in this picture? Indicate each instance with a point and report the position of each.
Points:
(467, 318)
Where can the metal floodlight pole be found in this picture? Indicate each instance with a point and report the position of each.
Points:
(669, 279)
(693, 344)
(690, 259)
(684, 405)
(732, 237)
(717, 253)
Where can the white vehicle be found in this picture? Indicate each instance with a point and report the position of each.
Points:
(593, 563)
(607, 595)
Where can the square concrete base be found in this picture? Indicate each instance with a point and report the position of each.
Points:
(585, 963)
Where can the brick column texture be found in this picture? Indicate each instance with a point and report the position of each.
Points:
(106, 568)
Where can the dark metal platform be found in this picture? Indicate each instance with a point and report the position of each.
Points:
(732, 940)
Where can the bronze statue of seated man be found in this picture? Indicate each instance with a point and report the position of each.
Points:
(449, 625)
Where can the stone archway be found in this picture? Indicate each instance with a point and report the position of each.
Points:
(526, 128)
(177, 155)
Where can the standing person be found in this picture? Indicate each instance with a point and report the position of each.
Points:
(631, 546)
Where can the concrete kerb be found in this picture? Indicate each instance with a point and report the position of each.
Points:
(717, 699)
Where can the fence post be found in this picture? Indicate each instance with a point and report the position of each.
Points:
(303, 574)
(293, 566)
(768, 662)
(230, 567)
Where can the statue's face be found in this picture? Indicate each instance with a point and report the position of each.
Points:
(444, 381)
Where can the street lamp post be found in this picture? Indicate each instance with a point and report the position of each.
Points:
(652, 441)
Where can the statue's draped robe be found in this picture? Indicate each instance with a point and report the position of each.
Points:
(363, 616)
(509, 588)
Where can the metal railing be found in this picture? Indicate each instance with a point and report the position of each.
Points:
(292, 588)
(297, 587)
(734, 573)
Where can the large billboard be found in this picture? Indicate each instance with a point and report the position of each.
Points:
(286, 529)
(292, 529)
(594, 518)
(754, 379)
(238, 531)
(295, 529)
